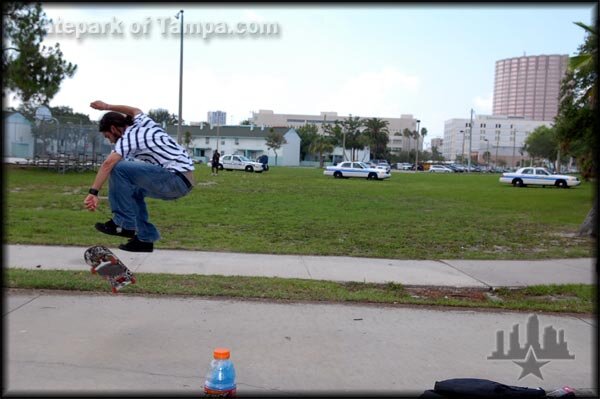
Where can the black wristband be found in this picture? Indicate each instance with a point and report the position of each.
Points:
(93, 191)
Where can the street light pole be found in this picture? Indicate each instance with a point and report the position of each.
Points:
(218, 133)
(497, 145)
(470, 138)
(180, 13)
(417, 152)
(344, 141)
(462, 154)
(514, 147)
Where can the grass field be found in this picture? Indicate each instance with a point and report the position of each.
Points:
(300, 211)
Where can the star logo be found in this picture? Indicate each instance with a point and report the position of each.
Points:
(531, 365)
(552, 346)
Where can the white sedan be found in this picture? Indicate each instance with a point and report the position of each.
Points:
(239, 162)
(538, 176)
(356, 169)
(439, 169)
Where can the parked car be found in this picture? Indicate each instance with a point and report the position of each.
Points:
(356, 169)
(404, 166)
(381, 162)
(538, 176)
(239, 162)
(474, 168)
(439, 169)
(457, 167)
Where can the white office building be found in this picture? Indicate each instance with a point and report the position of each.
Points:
(438, 143)
(502, 136)
(396, 143)
(215, 118)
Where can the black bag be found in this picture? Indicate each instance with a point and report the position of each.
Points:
(467, 388)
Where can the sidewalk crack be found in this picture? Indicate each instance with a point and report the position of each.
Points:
(466, 274)
(586, 322)
(19, 307)
(305, 267)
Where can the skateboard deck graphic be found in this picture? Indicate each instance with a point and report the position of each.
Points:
(109, 266)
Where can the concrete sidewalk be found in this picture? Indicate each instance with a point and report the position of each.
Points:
(103, 344)
(450, 273)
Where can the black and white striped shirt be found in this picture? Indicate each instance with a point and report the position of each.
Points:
(146, 141)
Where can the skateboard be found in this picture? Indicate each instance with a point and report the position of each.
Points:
(109, 266)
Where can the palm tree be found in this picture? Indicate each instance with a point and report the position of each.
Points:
(585, 62)
(415, 135)
(321, 145)
(407, 133)
(423, 133)
(377, 135)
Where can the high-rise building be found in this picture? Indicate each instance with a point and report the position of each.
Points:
(438, 143)
(216, 118)
(529, 86)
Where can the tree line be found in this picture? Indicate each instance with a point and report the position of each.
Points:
(355, 134)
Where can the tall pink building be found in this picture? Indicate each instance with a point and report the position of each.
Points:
(529, 86)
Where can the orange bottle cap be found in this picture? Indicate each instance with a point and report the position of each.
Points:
(221, 353)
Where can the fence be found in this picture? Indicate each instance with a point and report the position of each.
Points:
(64, 162)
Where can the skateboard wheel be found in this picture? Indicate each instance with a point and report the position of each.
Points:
(113, 260)
(133, 280)
(93, 270)
(114, 290)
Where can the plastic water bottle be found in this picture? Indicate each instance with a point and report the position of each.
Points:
(220, 379)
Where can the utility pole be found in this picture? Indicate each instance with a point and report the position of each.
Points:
(179, 137)
(497, 145)
(470, 138)
(514, 147)
(462, 154)
(344, 141)
(417, 152)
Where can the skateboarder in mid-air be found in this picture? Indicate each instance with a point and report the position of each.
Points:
(166, 172)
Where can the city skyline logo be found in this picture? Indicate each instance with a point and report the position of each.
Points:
(553, 347)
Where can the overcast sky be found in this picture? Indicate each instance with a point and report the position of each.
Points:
(435, 62)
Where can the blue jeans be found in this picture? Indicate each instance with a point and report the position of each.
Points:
(132, 181)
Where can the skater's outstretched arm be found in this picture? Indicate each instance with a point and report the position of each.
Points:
(124, 109)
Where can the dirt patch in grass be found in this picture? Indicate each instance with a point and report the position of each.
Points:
(475, 294)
